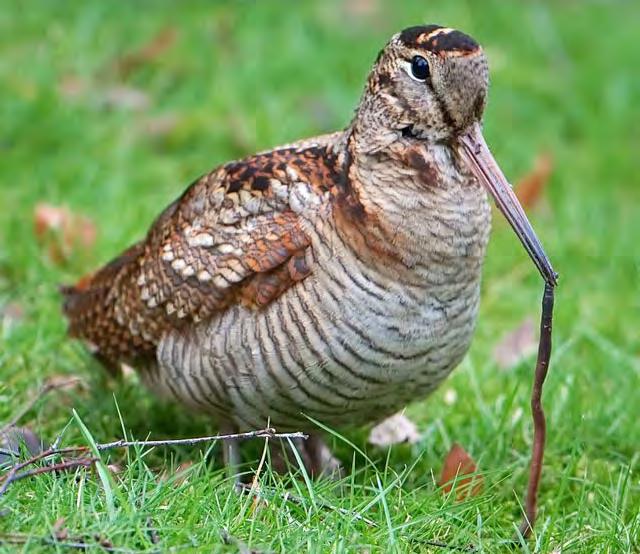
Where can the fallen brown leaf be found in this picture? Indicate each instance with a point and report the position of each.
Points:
(103, 541)
(148, 52)
(394, 430)
(516, 345)
(459, 469)
(61, 231)
(529, 188)
(67, 383)
(59, 531)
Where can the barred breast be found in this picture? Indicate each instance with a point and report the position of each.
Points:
(364, 334)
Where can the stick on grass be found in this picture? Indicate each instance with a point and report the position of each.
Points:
(14, 474)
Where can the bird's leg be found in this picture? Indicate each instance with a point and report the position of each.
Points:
(282, 457)
(322, 460)
(231, 453)
(315, 455)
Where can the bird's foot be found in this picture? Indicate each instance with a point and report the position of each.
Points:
(314, 454)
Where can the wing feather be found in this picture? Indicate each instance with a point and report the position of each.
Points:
(232, 237)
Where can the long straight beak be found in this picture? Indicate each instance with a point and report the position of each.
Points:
(476, 154)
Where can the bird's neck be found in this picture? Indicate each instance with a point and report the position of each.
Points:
(409, 201)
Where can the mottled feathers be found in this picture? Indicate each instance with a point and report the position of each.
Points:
(232, 237)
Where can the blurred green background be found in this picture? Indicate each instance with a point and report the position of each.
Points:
(112, 108)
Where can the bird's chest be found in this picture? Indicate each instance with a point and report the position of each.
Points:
(403, 322)
(361, 336)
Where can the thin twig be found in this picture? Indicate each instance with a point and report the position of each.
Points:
(41, 456)
(261, 433)
(268, 433)
(13, 476)
(537, 411)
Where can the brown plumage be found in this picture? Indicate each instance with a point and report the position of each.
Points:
(337, 277)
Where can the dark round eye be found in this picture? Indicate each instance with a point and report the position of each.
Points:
(420, 68)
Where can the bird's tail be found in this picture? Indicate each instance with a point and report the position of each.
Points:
(93, 307)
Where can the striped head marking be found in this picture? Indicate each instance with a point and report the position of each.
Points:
(439, 40)
(430, 82)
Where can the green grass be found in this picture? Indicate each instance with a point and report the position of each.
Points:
(244, 76)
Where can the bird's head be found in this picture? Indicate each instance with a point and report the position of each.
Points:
(429, 84)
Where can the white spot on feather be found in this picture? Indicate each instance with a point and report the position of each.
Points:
(179, 264)
(204, 240)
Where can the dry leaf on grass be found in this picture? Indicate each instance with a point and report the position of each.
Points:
(394, 430)
(148, 52)
(459, 470)
(61, 231)
(67, 383)
(516, 345)
(529, 188)
(59, 530)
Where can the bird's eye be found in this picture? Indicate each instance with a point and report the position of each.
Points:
(420, 68)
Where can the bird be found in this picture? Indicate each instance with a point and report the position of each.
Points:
(335, 279)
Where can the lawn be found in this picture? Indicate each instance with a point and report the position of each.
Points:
(116, 137)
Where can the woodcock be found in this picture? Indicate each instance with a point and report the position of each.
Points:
(337, 277)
